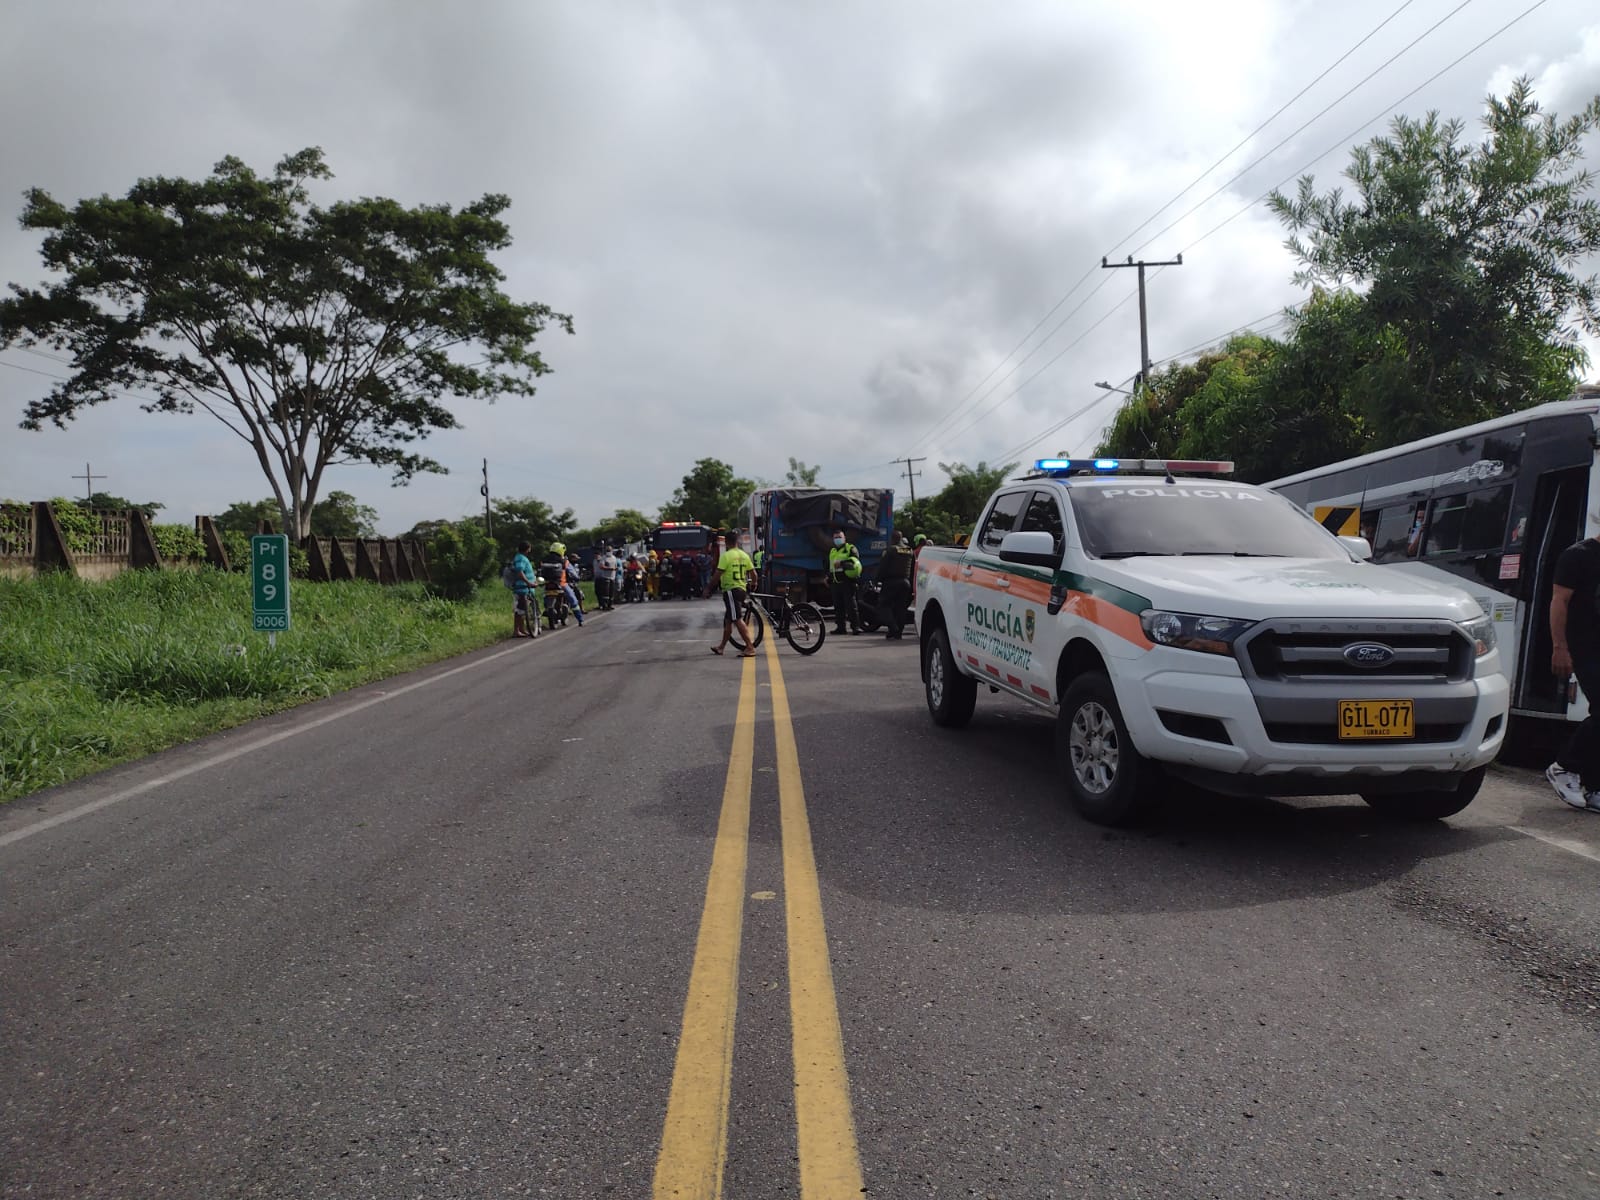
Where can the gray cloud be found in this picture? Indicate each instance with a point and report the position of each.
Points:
(782, 230)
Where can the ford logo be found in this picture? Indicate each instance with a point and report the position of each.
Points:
(1368, 654)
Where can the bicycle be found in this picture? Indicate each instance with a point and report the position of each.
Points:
(802, 625)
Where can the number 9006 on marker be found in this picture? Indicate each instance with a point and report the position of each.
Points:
(271, 621)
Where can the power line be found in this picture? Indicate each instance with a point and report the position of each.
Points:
(1256, 162)
(954, 412)
(1373, 32)
(958, 411)
(1059, 354)
(1344, 141)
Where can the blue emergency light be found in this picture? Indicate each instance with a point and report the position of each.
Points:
(1078, 464)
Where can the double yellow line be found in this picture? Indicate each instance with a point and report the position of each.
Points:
(694, 1141)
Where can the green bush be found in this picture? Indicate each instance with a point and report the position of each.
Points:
(178, 543)
(78, 524)
(460, 558)
(238, 547)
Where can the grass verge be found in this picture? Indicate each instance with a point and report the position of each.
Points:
(93, 674)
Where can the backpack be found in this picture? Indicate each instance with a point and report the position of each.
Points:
(508, 575)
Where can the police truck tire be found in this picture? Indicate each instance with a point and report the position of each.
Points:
(1108, 781)
(1428, 806)
(951, 695)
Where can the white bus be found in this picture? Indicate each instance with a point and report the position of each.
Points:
(1488, 507)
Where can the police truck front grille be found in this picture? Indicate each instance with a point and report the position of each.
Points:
(1439, 655)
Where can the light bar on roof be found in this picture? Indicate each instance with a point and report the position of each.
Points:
(1135, 466)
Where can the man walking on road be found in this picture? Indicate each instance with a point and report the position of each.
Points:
(894, 574)
(1575, 641)
(844, 569)
(734, 568)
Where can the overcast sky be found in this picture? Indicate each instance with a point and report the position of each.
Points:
(781, 229)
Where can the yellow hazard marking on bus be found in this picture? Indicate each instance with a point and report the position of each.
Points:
(1344, 520)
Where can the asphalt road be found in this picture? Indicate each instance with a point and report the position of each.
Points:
(575, 918)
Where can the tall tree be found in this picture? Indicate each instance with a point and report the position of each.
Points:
(800, 475)
(969, 489)
(340, 515)
(711, 493)
(107, 501)
(525, 519)
(624, 525)
(1467, 258)
(318, 336)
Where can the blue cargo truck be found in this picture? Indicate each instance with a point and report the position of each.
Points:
(794, 527)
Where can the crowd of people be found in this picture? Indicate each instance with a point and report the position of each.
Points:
(637, 577)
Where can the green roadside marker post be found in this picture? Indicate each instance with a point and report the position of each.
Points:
(269, 583)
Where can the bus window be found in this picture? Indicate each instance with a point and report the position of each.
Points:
(1399, 532)
(1471, 522)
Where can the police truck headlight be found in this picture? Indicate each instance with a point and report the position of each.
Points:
(1187, 631)
(1481, 631)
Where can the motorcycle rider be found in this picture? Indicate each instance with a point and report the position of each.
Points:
(557, 581)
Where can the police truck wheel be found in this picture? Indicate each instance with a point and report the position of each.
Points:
(951, 695)
(1108, 781)
(1428, 806)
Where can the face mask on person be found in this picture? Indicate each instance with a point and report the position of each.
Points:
(838, 541)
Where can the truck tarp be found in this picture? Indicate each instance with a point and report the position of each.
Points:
(852, 508)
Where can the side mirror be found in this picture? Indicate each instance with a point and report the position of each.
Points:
(1359, 546)
(1033, 548)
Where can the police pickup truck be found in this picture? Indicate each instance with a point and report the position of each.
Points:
(1209, 631)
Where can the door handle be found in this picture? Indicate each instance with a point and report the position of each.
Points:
(966, 570)
(1002, 582)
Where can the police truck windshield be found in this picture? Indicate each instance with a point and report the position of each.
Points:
(1127, 520)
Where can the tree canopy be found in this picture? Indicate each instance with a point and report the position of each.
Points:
(337, 515)
(800, 475)
(526, 519)
(317, 335)
(710, 493)
(1446, 291)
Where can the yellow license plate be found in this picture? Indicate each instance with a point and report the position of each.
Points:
(1375, 719)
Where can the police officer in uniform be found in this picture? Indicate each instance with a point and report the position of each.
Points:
(894, 574)
(844, 571)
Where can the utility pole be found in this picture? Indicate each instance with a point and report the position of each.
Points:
(1144, 326)
(88, 478)
(909, 475)
(488, 524)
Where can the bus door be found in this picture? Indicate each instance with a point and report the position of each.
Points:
(1554, 523)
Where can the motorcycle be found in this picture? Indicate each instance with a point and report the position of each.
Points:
(869, 602)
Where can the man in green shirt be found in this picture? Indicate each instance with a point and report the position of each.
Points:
(734, 568)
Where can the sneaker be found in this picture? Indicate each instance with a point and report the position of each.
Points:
(1592, 800)
(1567, 785)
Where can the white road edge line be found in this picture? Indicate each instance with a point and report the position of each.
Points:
(1570, 845)
(83, 810)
